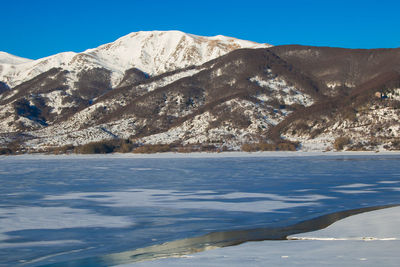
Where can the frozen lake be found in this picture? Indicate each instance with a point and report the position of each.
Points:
(58, 209)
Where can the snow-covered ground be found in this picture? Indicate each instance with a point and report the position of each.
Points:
(367, 239)
(280, 90)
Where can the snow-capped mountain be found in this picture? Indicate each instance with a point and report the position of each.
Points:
(157, 52)
(186, 90)
(152, 52)
(9, 65)
(6, 58)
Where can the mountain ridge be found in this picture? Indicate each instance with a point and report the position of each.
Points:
(268, 98)
(7, 58)
(145, 50)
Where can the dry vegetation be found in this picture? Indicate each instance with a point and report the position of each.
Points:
(149, 149)
(5, 151)
(283, 146)
(106, 146)
(341, 142)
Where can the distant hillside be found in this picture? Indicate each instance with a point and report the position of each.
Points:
(284, 97)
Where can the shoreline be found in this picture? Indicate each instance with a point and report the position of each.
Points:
(357, 240)
(179, 249)
(232, 154)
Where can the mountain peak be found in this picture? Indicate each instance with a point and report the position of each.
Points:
(152, 52)
(155, 52)
(6, 58)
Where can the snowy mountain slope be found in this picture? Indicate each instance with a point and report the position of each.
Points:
(366, 118)
(54, 88)
(338, 70)
(6, 58)
(259, 97)
(156, 52)
(215, 102)
(14, 75)
(152, 52)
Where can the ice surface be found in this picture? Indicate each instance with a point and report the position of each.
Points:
(379, 224)
(389, 182)
(114, 203)
(355, 191)
(179, 199)
(28, 218)
(62, 242)
(337, 247)
(353, 185)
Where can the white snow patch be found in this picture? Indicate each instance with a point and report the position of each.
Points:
(368, 239)
(167, 80)
(354, 191)
(357, 185)
(194, 200)
(389, 182)
(280, 90)
(374, 225)
(56, 101)
(6, 58)
(394, 94)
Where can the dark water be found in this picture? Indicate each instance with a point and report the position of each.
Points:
(65, 208)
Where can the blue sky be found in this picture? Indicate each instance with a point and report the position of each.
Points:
(35, 29)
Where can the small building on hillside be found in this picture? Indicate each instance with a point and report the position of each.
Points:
(381, 95)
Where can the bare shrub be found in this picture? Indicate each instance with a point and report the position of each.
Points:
(283, 146)
(126, 147)
(63, 149)
(102, 147)
(249, 147)
(5, 151)
(266, 147)
(188, 148)
(149, 149)
(340, 142)
(359, 146)
(208, 148)
(287, 146)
